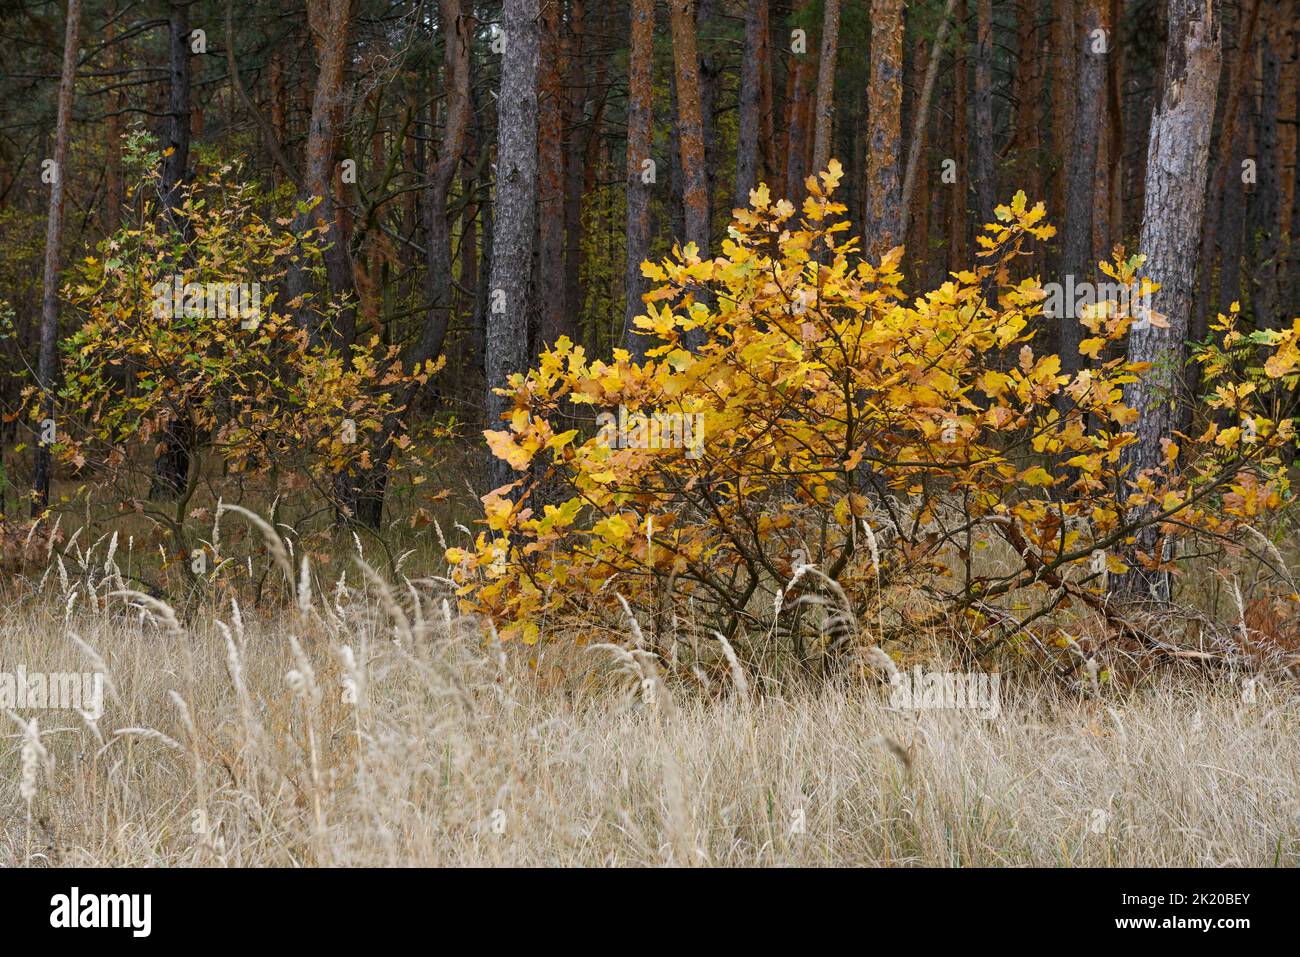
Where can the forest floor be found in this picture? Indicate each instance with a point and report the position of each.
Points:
(220, 743)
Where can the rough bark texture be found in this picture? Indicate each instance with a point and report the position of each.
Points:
(1025, 94)
(916, 224)
(883, 219)
(1293, 297)
(1232, 226)
(509, 308)
(958, 224)
(176, 162)
(172, 464)
(1113, 177)
(1227, 166)
(799, 76)
(578, 140)
(690, 125)
(751, 96)
(690, 132)
(767, 101)
(330, 23)
(469, 255)
(983, 166)
(1063, 97)
(922, 111)
(1177, 157)
(1076, 257)
(47, 361)
(711, 67)
(1107, 134)
(277, 107)
(551, 309)
(824, 114)
(639, 143)
(1268, 192)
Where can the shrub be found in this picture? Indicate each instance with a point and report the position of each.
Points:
(246, 389)
(919, 458)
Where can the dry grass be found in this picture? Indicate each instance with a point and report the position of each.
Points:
(455, 754)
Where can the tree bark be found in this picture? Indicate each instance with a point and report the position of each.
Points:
(580, 135)
(1227, 154)
(1293, 296)
(983, 168)
(824, 113)
(883, 220)
(176, 161)
(1232, 226)
(766, 103)
(1076, 256)
(751, 96)
(640, 139)
(47, 361)
(1268, 192)
(277, 107)
(798, 77)
(171, 466)
(958, 192)
(690, 132)
(1177, 157)
(509, 309)
(711, 67)
(1025, 94)
(1063, 97)
(330, 23)
(458, 26)
(551, 308)
(922, 111)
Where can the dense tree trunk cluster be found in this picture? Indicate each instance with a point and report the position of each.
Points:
(485, 178)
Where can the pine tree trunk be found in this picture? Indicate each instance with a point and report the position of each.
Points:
(551, 310)
(799, 74)
(330, 24)
(1293, 296)
(47, 361)
(1076, 256)
(1025, 95)
(171, 466)
(959, 191)
(1232, 227)
(1229, 154)
(751, 94)
(883, 222)
(710, 76)
(509, 310)
(1177, 157)
(1063, 98)
(928, 64)
(1268, 192)
(983, 169)
(277, 108)
(640, 140)
(824, 112)
(690, 132)
(576, 149)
